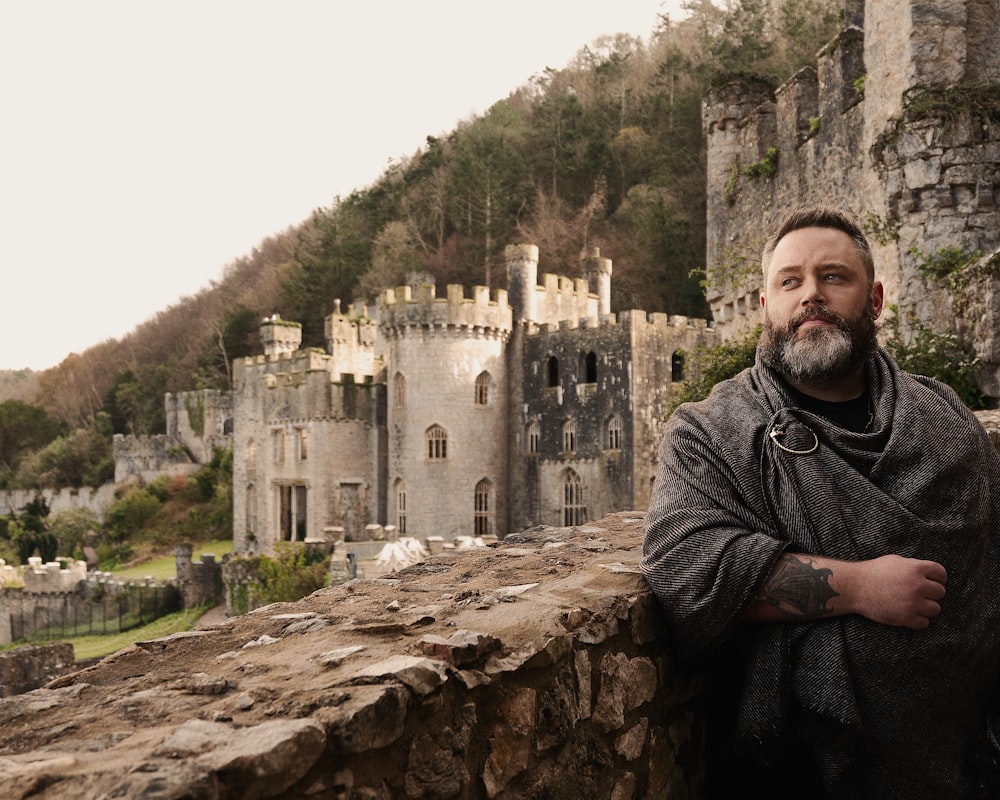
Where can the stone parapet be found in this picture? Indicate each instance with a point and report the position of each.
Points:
(534, 668)
(401, 308)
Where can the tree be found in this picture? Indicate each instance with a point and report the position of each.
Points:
(491, 181)
(333, 252)
(395, 255)
(23, 427)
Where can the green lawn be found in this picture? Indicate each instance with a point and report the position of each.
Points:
(85, 647)
(164, 568)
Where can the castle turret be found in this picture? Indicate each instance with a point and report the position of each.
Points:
(522, 277)
(279, 336)
(597, 271)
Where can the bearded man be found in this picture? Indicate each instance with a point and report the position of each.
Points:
(805, 523)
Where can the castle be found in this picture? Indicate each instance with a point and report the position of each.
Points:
(899, 122)
(453, 416)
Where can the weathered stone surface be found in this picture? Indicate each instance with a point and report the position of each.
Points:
(457, 700)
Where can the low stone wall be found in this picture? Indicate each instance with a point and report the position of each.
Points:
(31, 667)
(534, 668)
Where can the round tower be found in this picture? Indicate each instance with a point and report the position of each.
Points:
(522, 278)
(447, 410)
(597, 271)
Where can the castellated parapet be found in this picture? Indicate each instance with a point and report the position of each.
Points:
(898, 124)
(402, 308)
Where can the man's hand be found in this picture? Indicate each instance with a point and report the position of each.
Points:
(893, 590)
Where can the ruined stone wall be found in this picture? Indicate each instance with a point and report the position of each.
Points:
(536, 668)
(201, 421)
(899, 123)
(30, 667)
(145, 458)
(13, 501)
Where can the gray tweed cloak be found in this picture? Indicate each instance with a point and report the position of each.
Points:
(889, 712)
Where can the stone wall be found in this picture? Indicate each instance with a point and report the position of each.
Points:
(13, 501)
(30, 667)
(535, 668)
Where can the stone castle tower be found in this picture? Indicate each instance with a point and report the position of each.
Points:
(455, 416)
(898, 122)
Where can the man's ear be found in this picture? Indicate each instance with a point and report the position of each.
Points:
(878, 297)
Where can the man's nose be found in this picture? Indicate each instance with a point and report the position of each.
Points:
(812, 293)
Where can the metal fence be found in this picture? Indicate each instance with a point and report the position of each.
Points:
(100, 614)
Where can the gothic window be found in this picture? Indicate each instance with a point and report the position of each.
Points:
(292, 512)
(303, 438)
(590, 368)
(483, 389)
(251, 457)
(437, 443)
(481, 515)
(574, 507)
(677, 367)
(614, 440)
(553, 371)
(401, 507)
(534, 436)
(569, 436)
(399, 390)
(278, 444)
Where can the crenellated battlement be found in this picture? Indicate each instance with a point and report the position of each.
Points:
(402, 308)
(43, 577)
(673, 323)
(300, 361)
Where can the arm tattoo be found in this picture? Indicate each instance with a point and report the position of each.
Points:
(798, 589)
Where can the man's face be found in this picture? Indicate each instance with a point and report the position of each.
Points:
(819, 308)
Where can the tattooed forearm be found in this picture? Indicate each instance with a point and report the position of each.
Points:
(797, 588)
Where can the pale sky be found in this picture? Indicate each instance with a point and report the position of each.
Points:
(145, 145)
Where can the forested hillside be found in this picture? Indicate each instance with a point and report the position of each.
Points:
(606, 151)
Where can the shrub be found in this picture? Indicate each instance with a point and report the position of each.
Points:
(709, 365)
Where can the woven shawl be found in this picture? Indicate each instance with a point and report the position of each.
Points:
(890, 712)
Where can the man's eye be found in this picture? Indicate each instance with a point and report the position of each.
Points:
(833, 276)
(788, 282)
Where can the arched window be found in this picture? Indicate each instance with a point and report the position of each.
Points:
(569, 436)
(574, 507)
(677, 366)
(590, 368)
(483, 389)
(481, 514)
(401, 506)
(437, 443)
(614, 438)
(399, 390)
(534, 436)
(553, 371)
(251, 457)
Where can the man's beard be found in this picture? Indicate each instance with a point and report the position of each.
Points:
(823, 355)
